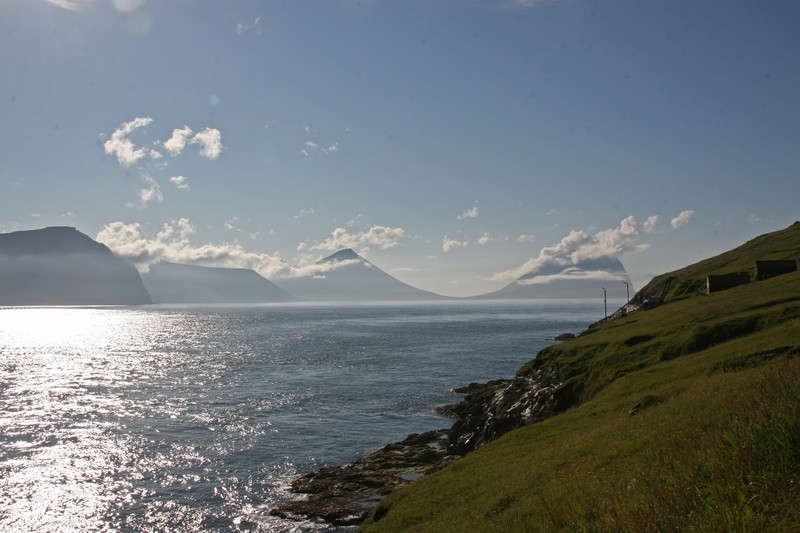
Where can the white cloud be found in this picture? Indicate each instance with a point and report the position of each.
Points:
(314, 270)
(383, 236)
(485, 239)
(469, 213)
(312, 147)
(526, 238)
(173, 244)
(180, 182)
(573, 273)
(579, 245)
(72, 5)
(407, 269)
(211, 141)
(451, 244)
(150, 193)
(121, 146)
(177, 142)
(753, 218)
(350, 223)
(245, 27)
(340, 238)
(304, 212)
(682, 219)
(128, 153)
(650, 224)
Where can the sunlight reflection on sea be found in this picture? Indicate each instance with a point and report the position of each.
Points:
(151, 419)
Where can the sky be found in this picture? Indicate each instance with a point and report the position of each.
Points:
(455, 144)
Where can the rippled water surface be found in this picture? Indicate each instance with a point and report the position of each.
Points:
(192, 419)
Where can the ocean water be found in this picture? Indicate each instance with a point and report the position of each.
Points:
(195, 419)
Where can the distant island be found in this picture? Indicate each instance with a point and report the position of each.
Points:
(175, 283)
(62, 266)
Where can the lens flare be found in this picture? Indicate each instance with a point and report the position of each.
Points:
(127, 6)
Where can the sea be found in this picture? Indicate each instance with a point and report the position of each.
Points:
(187, 419)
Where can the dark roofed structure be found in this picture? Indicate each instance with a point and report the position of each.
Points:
(770, 269)
(720, 282)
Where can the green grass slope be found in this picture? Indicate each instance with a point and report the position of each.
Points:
(683, 418)
(691, 280)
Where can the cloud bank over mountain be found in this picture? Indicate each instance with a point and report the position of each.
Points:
(173, 244)
(381, 236)
(579, 246)
(569, 259)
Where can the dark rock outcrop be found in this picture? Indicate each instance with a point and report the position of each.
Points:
(62, 266)
(348, 494)
(564, 337)
(492, 410)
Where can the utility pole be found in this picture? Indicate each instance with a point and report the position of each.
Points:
(605, 305)
(627, 296)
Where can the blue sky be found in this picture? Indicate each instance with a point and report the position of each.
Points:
(452, 143)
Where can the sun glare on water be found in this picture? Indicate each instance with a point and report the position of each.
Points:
(54, 326)
(59, 455)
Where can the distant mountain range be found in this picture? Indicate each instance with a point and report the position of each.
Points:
(351, 277)
(61, 266)
(585, 279)
(175, 283)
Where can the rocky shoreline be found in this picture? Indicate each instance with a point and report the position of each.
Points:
(347, 495)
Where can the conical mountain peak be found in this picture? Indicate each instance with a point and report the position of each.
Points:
(355, 280)
(342, 255)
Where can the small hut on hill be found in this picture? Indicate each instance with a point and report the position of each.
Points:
(770, 269)
(720, 282)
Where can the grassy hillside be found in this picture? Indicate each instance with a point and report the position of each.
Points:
(683, 418)
(691, 280)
